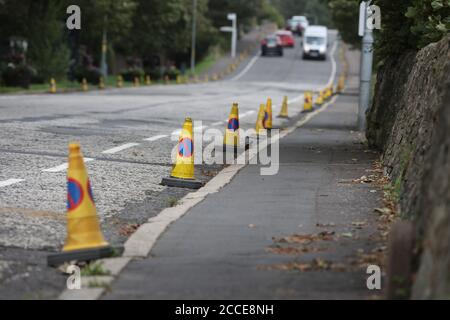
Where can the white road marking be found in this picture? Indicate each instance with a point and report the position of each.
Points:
(120, 148)
(10, 182)
(247, 68)
(156, 138)
(248, 113)
(64, 166)
(218, 123)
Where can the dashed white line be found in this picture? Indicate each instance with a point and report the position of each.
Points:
(64, 166)
(247, 68)
(10, 182)
(120, 148)
(156, 138)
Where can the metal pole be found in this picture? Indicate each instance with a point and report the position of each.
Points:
(103, 63)
(194, 35)
(234, 38)
(366, 72)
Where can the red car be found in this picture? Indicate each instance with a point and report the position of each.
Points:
(287, 38)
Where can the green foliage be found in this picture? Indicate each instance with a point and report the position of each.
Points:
(430, 20)
(40, 23)
(406, 24)
(345, 15)
(316, 10)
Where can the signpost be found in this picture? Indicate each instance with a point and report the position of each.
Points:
(233, 30)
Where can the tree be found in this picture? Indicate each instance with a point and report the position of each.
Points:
(42, 24)
(345, 16)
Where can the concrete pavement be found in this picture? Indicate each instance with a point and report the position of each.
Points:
(297, 235)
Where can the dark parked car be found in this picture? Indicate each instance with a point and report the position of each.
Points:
(272, 45)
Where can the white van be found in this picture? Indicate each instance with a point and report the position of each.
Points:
(315, 42)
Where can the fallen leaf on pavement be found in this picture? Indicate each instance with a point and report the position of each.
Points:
(325, 225)
(358, 224)
(347, 235)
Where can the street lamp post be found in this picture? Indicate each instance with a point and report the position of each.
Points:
(194, 35)
(366, 65)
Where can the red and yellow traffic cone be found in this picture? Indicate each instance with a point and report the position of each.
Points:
(84, 85)
(52, 85)
(260, 120)
(148, 80)
(85, 241)
(137, 82)
(119, 81)
(268, 115)
(101, 83)
(232, 131)
(319, 100)
(308, 104)
(341, 84)
(183, 172)
(284, 113)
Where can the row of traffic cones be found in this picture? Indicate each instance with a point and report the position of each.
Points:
(180, 79)
(85, 241)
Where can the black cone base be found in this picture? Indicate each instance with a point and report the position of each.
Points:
(181, 183)
(58, 259)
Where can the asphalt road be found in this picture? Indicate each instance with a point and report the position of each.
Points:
(127, 134)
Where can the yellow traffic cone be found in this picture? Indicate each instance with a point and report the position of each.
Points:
(166, 79)
(319, 100)
(179, 80)
(260, 120)
(232, 131)
(183, 172)
(137, 82)
(284, 113)
(119, 81)
(52, 85)
(84, 85)
(84, 240)
(340, 84)
(101, 84)
(148, 80)
(308, 104)
(268, 115)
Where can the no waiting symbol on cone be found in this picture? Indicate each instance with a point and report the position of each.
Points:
(75, 194)
(233, 124)
(185, 147)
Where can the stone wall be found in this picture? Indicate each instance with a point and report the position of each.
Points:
(410, 123)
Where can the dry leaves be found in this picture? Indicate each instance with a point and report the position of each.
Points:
(294, 250)
(316, 265)
(306, 238)
(128, 229)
